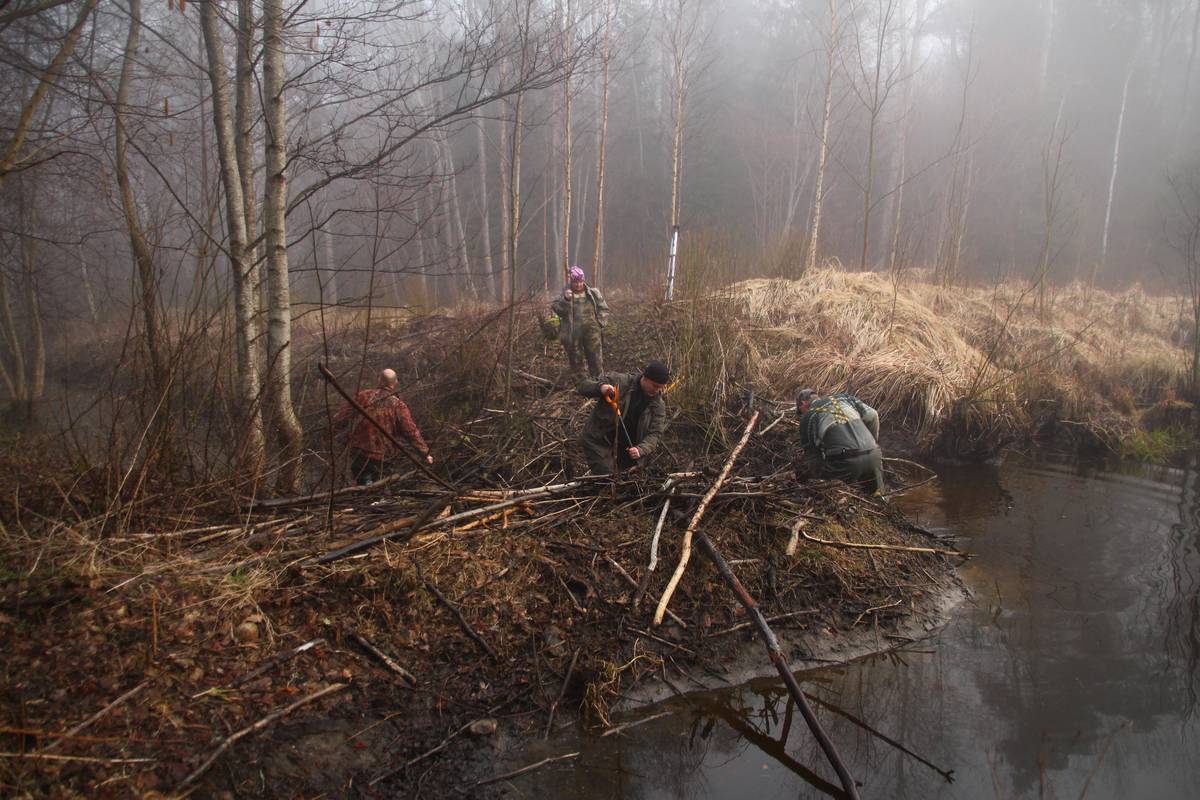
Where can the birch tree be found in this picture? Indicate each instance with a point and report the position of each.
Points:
(275, 203)
(238, 248)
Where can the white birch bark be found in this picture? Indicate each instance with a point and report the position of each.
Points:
(279, 312)
(831, 44)
(601, 148)
(1116, 157)
(240, 255)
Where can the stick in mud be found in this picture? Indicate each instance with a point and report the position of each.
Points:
(781, 666)
(462, 621)
(384, 658)
(258, 726)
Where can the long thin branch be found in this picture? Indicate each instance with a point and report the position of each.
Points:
(899, 548)
(258, 726)
(96, 716)
(691, 528)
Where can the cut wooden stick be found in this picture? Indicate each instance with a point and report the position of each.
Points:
(86, 759)
(637, 587)
(271, 663)
(525, 769)
(897, 547)
(691, 528)
(669, 488)
(258, 726)
(383, 658)
(794, 539)
(95, 716)
(392, 530)
(741, 626)
(462, 621)
(627, 725)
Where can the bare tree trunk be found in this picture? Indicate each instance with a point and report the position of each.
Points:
(831, 44)
(1112, 179)
(1047, 44)
(1052, 155)
(514, 203)
(601, 146)
(36, 377)
(568, 29)
(14, 378)
(240, 255)
(243, 146)
(12, 153)
(327, 275)
(87, 285)
(901, 173)
(505, 221)
(457, 231)
(143, 258)
(279, 313)
(485, 217)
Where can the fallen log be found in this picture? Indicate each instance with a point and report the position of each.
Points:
(781, 665)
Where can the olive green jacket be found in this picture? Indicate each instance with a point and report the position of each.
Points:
(585, 309)
(602, 423)
(838, 425)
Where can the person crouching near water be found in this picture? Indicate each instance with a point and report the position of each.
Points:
(637, 433)
(840, 437)
(583, 314)
(371, 452)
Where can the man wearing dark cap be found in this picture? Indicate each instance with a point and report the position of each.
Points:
(840, 437)
(628, 420)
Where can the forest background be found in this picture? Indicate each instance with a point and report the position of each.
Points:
(183, 182)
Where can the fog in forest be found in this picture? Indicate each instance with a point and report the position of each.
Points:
(431, 153)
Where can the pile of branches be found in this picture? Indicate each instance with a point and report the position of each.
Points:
(512, 588)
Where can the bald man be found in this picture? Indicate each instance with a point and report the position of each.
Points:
(370, 450)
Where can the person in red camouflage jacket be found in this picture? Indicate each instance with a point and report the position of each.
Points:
(370, 450)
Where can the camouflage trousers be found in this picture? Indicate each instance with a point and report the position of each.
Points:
(586, 338)
(864, 470)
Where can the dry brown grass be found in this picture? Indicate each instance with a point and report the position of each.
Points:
(925, 355)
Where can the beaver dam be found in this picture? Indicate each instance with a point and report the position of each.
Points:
(178, 635)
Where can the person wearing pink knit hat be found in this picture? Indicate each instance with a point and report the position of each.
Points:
(583, 314)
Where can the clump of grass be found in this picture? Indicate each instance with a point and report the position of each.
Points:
(1157, 447)
(966, 368)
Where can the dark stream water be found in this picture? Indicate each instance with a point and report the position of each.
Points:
(1073, 671)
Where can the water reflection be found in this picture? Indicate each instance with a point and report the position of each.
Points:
(1072, 672)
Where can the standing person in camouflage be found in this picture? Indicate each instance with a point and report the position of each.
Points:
(840, 437)
(370, 450)
(583, 314)
(643, 418)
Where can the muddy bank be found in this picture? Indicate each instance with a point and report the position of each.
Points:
(196, 627)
